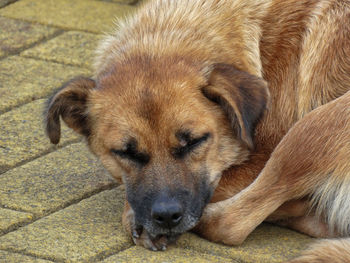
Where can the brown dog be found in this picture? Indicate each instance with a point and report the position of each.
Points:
(176, 111)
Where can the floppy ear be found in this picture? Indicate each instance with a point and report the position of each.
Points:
(242, 96)
(70, 102)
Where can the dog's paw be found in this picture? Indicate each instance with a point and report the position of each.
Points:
(217, 224)
(141, 238)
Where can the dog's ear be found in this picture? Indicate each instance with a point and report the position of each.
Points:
(69, 102)
(242, 96)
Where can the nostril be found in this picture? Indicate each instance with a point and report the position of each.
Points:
(159, 219)
(176, 217)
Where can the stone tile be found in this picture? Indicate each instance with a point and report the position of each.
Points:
(16, 34)
(172, 254)
(87, 231)
(53, 181)
(10, 218)
(86, 15)
(73, 48)
(23, 80)
(6, 2)
(10, 257)
(125, 2)
(22, 135)
(267, 244)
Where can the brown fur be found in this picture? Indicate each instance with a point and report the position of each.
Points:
(179, 72)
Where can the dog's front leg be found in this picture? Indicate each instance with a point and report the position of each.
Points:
(139, 235)
(232, 220)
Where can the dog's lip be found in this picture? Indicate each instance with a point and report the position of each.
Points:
(172, 237)
(168, 233)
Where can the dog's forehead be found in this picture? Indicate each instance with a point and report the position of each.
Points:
(154, 113)
(148, 99)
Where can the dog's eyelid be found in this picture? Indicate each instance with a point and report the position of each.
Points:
(200, 139)
(186, 136)
(132, 154)
(191, 144)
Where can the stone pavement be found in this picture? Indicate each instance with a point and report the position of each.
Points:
(57, 204)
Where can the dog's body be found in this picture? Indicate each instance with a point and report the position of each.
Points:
(180, 89)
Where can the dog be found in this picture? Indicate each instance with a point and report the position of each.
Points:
(220, 114)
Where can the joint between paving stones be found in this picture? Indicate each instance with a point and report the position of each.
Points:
(12, 209)
(61, 28)
(43, 153)
(104, 255)
(40, 41)
(133, 3)
(49, 212)
(9, 3)
(36, 217)
(99, 257)
(23, 252)
(78, 200)
(55, 61)
(16, 226)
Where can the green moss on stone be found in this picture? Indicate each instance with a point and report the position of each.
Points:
(10, 218)
(86, 15)
(53, 181)
(10, 257)
(16, 35)
(80, 233)
(172, 254)
(74, 48)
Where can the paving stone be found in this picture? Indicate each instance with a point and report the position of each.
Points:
(126, 2)
(22, 135)
(53, 181)
(171, 255)
(86, 231)
(86, 15)
(10, 257)
(73, 48)
(6, 2)
(24, 79)
(16, 34)
(10, 218)
(267, 244)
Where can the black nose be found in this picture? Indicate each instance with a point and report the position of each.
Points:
(167, 213)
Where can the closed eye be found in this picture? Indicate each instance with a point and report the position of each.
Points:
(191, 144)
(132, 154)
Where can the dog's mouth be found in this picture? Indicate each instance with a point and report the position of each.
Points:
(171, 237)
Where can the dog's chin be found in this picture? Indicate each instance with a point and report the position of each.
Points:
(187, 224)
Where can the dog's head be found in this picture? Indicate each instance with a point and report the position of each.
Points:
(172, 128)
